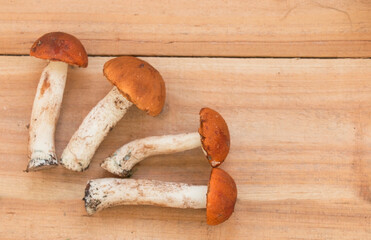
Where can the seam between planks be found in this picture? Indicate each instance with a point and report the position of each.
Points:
(180, 56)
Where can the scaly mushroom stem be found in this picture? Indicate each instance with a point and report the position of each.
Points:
(125, 158)
(44, 117)
(92, 131)
(109, 192)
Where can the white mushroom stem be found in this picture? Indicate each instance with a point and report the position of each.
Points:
(92, 131)
(109, 192)
(125, 158)
(44, 117)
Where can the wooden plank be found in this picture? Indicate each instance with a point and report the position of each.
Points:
(270, 28)
(300, 130)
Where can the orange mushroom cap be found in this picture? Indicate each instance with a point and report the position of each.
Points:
(59, 46)
(138, 81)
(215, 138)
(221, 197)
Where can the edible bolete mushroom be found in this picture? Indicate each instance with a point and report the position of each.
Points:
(212, 136)
(135, 82)
(61, 49)
(219, 197)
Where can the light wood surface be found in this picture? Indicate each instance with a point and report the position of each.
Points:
(300, 140)
(271, 28)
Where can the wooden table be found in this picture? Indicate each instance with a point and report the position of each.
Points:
(300, 127)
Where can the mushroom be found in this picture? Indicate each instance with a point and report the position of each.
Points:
(212, 136)
(135, 82)
(61, 49)
(219, 197)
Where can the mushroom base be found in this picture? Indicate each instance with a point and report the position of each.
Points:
(108, 192)
(46, 162)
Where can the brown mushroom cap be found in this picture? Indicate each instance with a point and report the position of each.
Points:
(221, 197)
(215, 138)
(59, 46)
(138, 81)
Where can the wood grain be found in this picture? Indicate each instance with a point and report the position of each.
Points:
(300, 140)
(273, 28)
